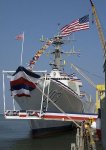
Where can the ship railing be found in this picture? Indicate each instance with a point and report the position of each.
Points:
(22, 114)
(35, 114)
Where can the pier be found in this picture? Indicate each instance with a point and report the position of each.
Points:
(86, 138)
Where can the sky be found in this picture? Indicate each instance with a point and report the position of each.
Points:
(41, 17)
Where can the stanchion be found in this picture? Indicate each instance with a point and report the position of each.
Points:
(73, 146)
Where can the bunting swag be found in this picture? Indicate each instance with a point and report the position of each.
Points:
(39, 53)
(23, 82)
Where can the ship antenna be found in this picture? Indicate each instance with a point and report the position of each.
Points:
(58, 29)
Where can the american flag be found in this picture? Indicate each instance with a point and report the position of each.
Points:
(77, 25)
(20, 37)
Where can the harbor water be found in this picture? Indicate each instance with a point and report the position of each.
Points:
(16, 135)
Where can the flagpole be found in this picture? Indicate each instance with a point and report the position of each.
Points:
(22, 50)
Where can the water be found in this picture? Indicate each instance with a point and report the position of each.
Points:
(16, 135)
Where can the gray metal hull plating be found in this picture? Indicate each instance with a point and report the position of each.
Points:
(61, 98)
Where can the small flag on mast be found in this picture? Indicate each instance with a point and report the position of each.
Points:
(77, 25)
(20, 37)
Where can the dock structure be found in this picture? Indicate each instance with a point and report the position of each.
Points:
(86, 138)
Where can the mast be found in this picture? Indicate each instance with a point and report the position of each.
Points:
(57, 42)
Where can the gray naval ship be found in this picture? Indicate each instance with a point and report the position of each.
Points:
(49, 92)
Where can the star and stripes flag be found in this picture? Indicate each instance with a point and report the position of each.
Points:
(76, 25)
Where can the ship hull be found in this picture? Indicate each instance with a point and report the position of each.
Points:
(49, 128)
(61, 99)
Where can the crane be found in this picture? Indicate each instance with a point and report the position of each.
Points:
(100, 88)
(83, 75)
(102, 38)
(99, 28)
